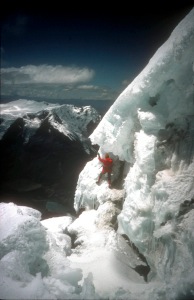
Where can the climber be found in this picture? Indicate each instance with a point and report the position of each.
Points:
(107, 168)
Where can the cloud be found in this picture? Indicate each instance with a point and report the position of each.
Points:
(126, 82)
(46, 74)
(52, 83)
(88, 87)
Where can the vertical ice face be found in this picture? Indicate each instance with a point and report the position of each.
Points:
(164, 89)
(151, 127)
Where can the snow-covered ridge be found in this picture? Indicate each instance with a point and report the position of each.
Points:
(46, 144)
(70, 120)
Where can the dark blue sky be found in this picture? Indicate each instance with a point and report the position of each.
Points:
(113, 44)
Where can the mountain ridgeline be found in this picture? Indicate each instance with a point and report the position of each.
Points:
(43, 149)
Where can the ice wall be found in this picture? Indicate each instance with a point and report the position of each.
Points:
(151, 127)
(162, 92)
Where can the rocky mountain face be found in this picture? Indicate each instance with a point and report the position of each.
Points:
(43, 149)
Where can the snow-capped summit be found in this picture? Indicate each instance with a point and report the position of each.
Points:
(74, 122)
(44, 143)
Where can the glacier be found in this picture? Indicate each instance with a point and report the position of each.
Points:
(136, 240)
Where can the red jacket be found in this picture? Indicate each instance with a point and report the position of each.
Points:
(107, 164)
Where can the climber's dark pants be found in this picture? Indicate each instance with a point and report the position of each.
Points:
(109, 176)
